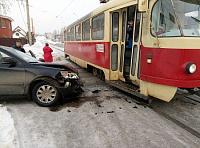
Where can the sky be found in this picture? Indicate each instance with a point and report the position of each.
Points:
(50, 15)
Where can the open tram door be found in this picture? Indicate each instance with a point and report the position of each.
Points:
(118, 43)
(125, 45)
(134, 74)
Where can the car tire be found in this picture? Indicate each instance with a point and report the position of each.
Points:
(45, 94)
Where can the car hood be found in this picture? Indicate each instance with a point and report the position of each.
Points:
(58, 66)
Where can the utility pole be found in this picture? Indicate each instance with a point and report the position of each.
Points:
(33, 31)
(28, 22)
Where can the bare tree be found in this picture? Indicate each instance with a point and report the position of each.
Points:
(5, 6)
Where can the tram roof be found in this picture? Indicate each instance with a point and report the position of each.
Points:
(111, 4)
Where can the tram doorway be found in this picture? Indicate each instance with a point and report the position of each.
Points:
(125, 44)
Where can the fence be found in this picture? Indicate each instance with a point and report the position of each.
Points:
(11, 41)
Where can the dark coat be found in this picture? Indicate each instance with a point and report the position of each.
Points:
(18, 48)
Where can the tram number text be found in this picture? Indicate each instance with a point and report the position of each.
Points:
(100, 47)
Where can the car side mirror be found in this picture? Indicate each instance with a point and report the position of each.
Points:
(8, 60)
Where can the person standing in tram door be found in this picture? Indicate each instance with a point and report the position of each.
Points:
(130, 33)
(47, 53)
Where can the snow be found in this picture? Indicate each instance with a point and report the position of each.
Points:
(8, 133)
(37, 49)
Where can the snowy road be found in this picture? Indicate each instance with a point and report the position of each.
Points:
(102, 117)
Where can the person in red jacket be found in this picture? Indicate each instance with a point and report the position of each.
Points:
(47, 53)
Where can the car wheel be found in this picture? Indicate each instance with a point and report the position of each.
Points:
(45, 94)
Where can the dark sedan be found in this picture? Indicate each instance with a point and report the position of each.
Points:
(45, 83)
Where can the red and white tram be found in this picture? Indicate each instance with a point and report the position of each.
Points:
(147, 47)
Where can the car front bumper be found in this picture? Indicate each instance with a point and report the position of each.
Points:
(71, 89)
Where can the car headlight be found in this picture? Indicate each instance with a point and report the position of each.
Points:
(68, 75)
(191, 68)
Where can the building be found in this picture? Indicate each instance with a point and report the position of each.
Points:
(6, 27)
(18, 32)
(49, 36)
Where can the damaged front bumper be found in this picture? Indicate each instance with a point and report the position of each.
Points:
(70, 83)
(71, 88)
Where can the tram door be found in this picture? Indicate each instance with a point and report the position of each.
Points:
(118, 43)
(115, 44)
(129, 69)
(135, 57)
(125, 44)
(123, 27)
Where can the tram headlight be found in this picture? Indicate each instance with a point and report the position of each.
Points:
(191, 68)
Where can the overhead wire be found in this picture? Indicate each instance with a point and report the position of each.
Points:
(41, 10)
(22, 15)
(63, 10)
(49, 14)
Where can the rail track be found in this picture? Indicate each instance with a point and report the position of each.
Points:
(175, 121)
(161, 112)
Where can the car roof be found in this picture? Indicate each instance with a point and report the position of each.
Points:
(6, 48)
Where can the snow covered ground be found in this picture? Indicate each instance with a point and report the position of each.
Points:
(8, 134)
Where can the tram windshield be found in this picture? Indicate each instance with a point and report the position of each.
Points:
(174, 18)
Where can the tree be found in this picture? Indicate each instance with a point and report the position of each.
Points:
(5, 6)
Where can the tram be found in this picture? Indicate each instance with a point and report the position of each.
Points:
(149, 48)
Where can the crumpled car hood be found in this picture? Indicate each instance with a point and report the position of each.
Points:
(59, 66)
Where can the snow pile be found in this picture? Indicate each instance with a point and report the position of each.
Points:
(8, 133)
(40, 38)
(37, 49)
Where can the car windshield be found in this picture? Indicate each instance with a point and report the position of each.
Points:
(176, 18)
(23, 56)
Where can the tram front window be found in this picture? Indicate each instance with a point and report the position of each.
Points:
(184, 20)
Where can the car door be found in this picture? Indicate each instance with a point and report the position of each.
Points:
(12, 76)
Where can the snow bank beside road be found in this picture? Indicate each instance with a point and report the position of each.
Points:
(8, 133)
(37, 49)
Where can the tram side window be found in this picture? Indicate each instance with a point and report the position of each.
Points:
(65, 35)
(78, 32)
(86, 30)
(72, 34)
(98, 27)
(68, 35)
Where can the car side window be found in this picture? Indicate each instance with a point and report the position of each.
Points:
(3, 55)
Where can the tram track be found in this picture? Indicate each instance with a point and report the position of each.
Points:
(197, 101)
(175, 121)
(57, 48)
(168, 117)
(160, 112)
(145, 103)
